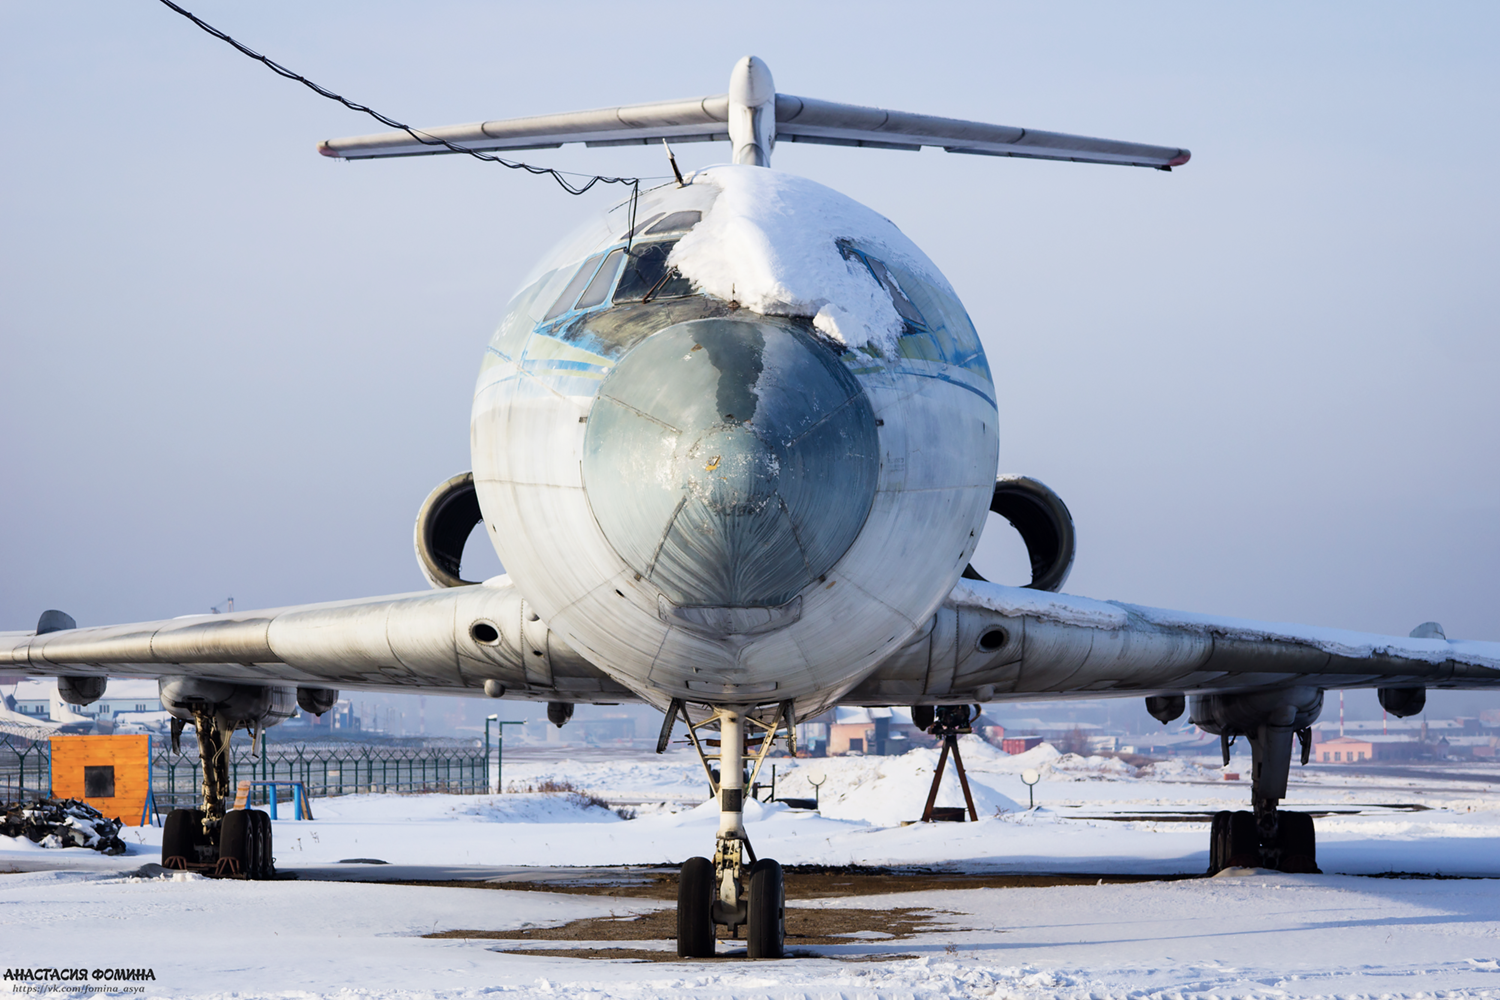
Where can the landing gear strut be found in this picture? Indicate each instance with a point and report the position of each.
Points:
(1266, 836)
(727, 891)
(233, 844)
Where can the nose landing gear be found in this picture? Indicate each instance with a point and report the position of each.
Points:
(725, 891)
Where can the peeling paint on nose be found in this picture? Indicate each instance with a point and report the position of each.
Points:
(731, 462)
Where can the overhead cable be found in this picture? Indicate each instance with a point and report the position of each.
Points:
(427, 140)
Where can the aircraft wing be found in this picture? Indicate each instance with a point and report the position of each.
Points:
(442, 641)
(995, 643)
(798, 119)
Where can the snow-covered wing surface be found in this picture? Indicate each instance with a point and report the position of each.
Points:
(441, 641)
(990, 642)
(804, 119)
(798, 119)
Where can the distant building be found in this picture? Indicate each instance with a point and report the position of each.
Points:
(35, 698)
(870, 731)
(1020, 744)
(1345, 750)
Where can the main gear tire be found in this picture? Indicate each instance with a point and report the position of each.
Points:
(261, 864)
(237, 842)
(1298, 843)
(181, 835)
(1218, 841)
(1241, 841)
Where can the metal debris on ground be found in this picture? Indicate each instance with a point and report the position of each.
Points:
(63, 823)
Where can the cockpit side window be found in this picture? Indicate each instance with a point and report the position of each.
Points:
(570, 294)
(909, 312)
(904, 306)
(937, 327)
(598, 289)
(647, 273)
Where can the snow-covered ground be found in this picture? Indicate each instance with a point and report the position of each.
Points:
(1266, 935)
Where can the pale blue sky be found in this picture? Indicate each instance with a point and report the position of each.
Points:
(1264, 383)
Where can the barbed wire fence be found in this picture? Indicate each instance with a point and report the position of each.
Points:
(325, 769)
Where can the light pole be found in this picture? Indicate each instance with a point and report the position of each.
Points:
(1031, 777)
(499, 748)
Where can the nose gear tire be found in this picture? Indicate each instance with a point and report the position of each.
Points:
(695, 899)
(766, 929)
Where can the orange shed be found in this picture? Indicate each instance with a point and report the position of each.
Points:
(110, 773)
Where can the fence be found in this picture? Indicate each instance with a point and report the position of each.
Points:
(326, 769)
(25, 768)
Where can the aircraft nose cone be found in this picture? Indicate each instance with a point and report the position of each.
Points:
(731, 462)
(731, 471)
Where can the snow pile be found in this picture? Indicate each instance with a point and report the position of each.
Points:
(884, 791)
(1091, 768)
(65, 823)
(1180, 769)
(982, 756)
(769, 242)
(674, 776)
(567, 805)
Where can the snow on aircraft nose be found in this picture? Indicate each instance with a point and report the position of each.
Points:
(731, 462)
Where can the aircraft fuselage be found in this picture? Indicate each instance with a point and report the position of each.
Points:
(725, 503)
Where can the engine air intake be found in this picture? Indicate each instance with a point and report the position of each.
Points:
(1045, 526)
(447, 517)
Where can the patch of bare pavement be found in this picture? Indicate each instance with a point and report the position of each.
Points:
(842, 932)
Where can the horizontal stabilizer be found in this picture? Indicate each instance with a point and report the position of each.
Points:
(801, 119)
(751, 100)
(698, 119)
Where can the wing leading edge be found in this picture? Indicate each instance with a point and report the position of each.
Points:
(449, 641)
(995, 643)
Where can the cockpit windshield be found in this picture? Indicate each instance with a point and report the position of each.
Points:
(647, 274)
(646, 277)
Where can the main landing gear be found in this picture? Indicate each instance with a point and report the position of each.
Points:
(727, 892)
(1266, 836)
(233, 843)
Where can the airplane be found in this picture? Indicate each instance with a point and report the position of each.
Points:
(734, 442)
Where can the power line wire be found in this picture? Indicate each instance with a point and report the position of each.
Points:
(422, 137)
